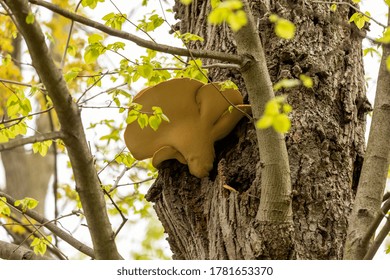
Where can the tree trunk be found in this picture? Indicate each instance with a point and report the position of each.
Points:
(203, 219)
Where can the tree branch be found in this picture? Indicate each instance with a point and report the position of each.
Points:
(29, 140)
(52, 227)
(137, 40)
(382, 234)
(275, 205)
(373, 177)
(10, 251)
(87, 181)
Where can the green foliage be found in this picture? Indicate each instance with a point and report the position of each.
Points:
(387, 2)
(228, 84)
(333, 7)
(72, 74)
(18, 104)
(30, 18)
(4, 208)
(385, 37)
(356, 1)
(151, 23)
(188, 37)
(284, 28)
(286, 83)
(40, 244)
(90, 3)
(125, 158)
(306, 81)
(276, 115)
(27, 203)
(144, 120)
(290, 83)
(115, 20)
(42, 147)
(229, 11)
(194, 71)
(360, 19)
(94, 49)
(371, 51)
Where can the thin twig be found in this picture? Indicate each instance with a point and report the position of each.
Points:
(52, 227)
(29, 140)
(22, 118)
(137, 40)
(374, 226)
(352, 7)
(124, 219)
(5, 81)
(69, 37)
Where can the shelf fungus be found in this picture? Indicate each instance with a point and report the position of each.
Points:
(199, 115)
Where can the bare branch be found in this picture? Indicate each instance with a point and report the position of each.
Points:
(137, 40)
(29, 140)
(17, 83)
(352, 7)
(52, 227)
(371, 232)
(10, 251)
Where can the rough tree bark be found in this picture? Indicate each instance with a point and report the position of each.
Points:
(203, 219)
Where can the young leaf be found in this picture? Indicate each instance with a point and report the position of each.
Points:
(306, 80)
(388, 63)
(30, 18)
(186, 2)
(26, 203)
(285, 29)
(4, 208)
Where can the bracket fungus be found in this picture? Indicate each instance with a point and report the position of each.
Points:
(199, 115)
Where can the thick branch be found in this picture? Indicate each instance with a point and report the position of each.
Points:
(275, 205)
(373, 178)
(29, 140)
(53, 228)
(10, 251)
(137, 40)
(87, 181)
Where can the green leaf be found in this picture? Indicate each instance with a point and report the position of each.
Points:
(72, 74)
(154, 122)
(306, 80)
(30, 18)
(90, 3)
(237, 20)
(228, 11)
(385, 37)
(264, 122)
(4, 208)
(26, 203)
(356, 1)
(94, 38)
(333, 7)
(40, 244)
(285, 29)
(281, 123)
(142, 120)
(132, 116)
(360, 19)
(286, 83)
(186, 2)
(388, 4)
(42, 147)
(388, 63)
(371, 51)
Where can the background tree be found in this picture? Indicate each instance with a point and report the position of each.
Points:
(270, 195)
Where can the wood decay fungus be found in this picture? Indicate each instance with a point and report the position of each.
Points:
(199, 115)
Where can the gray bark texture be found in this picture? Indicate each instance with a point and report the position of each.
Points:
(203, 219)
